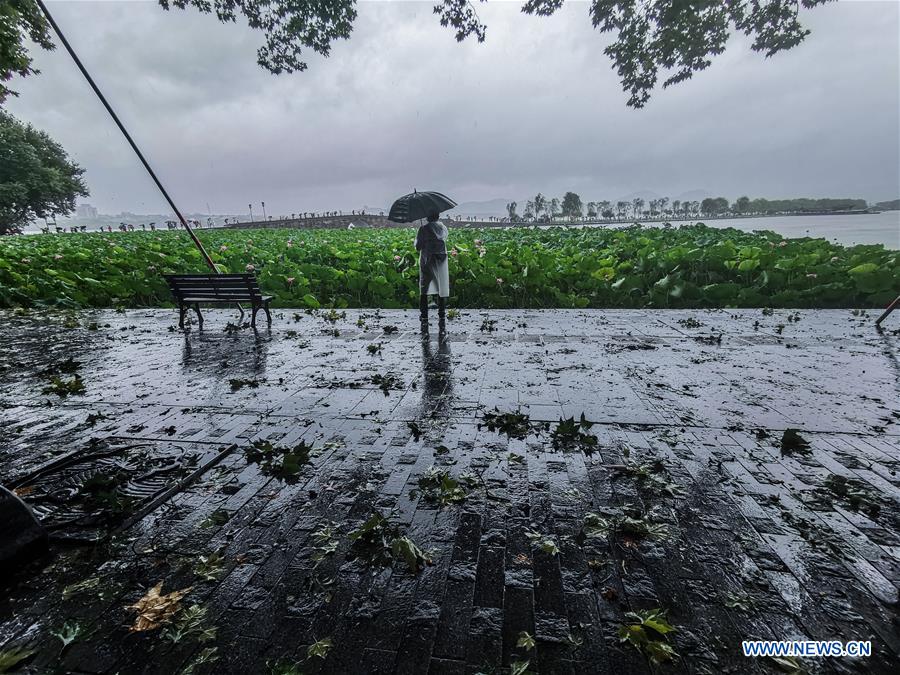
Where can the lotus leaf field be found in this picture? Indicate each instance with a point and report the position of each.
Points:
(690, 266)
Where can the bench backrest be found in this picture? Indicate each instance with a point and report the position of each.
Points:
(214, 287)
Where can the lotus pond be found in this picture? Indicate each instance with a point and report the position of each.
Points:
(691, 266)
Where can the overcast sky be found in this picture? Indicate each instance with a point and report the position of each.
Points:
(401, 105)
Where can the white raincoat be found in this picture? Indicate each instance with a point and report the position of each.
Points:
(431, 243)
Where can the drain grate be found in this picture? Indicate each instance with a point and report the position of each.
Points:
(111, 484)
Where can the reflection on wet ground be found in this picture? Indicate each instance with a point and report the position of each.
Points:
(437, 385)
(236, 465)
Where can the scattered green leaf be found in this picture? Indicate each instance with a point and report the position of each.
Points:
(543, 542)
(279, 461)
(217, 518)
(319, 648)
(525, 641)
(792, 442)
(439, 487)
(648, 631)
(205, 656)
(69, 632)
(513, 424)
(11, 657)
(569, 435)
(64, 388)
(210, 567)
(190, 624)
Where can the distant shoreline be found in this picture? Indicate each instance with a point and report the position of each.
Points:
(363, 219)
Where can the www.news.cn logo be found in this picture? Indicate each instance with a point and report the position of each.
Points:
(814, 648)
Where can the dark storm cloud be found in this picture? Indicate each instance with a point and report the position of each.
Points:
(402, 105)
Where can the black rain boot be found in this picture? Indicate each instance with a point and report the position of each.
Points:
(423, 309)
(442, 312)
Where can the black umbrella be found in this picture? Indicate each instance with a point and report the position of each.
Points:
(417, 204)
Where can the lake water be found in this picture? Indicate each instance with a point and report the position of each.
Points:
(865, 228)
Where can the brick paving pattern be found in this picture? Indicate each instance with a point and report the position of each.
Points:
(746, 539)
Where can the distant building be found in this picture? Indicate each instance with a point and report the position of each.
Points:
(85, 211)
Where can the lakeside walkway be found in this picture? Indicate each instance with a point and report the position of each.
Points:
(701, 510)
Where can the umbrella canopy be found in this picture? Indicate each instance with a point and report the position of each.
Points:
(417, 204)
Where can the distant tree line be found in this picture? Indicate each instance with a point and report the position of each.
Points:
(892, 205)
(571, 207)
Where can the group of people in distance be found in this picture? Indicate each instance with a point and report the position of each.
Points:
(123, 227)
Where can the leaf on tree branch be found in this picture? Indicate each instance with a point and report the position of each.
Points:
(680, 37)
(461, 15)
(671, 39)
(19, 19)
(289, 26)
(541, 7)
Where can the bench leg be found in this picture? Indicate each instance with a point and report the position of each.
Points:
(182, 310)
(253, 316)
(199, 315)
(268, 315)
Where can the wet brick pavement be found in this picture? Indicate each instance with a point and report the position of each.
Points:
(741, 538)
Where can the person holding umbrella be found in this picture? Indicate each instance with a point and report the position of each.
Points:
(434, 272)
(431, 243)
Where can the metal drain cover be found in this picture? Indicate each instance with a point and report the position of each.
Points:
(109, 485)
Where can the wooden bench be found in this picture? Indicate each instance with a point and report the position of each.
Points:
(218, 289)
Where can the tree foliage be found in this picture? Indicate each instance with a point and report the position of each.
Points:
(289, 26)
(554, 207)
(571, 206)
(804, 205)
(462, 17)
(653, 38)
(37, 178)
(543, 209)
(714, 206)
(19, 19)
(680, 37)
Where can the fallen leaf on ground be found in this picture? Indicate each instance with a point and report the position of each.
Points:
(156, 609)
(526, 641)
(13, 656)
(320, 648)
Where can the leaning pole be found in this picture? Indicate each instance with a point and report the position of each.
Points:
(137, 151)
(890, 308)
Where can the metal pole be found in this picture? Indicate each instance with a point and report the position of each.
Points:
(890, 308)
(264, 210)
(62, 38)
